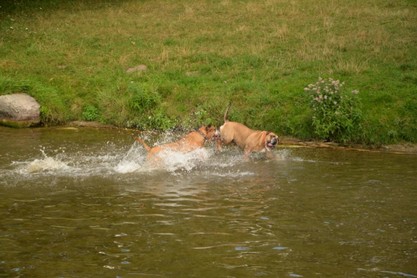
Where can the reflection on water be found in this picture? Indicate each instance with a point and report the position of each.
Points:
(84, 202)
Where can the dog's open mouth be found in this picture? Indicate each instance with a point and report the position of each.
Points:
(271, 144)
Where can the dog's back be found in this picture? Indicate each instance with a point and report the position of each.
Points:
(236, 132)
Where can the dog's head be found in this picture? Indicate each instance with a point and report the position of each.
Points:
(209, 131)
(217, 135)
(271, 140)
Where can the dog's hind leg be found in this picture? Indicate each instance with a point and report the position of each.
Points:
(147, 148)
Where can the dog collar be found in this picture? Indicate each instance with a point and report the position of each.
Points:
(202, 134)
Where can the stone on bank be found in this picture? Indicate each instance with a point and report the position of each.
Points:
(19, 110)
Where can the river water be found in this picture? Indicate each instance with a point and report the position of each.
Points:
(82, 202)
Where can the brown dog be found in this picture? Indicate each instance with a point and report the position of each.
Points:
(190, 142)
(247, 139)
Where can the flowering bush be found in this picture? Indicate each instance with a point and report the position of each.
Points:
(336, 113)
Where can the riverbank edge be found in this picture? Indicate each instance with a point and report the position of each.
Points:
(287, 141)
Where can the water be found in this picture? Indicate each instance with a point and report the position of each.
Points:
(85, 203)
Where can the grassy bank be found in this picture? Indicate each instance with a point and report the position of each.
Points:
(74, 58)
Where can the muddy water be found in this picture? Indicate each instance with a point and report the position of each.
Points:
(84, 203)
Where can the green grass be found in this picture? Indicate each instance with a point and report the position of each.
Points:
(73, 58)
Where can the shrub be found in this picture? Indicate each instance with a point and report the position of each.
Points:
(145, 103)
(336, 113)
(157, 120)
(90, 113)
(143, 99)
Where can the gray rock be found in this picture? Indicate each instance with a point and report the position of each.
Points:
(137, 68)
(19, 110)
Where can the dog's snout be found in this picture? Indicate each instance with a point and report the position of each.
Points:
(274, 140)
(216, 135)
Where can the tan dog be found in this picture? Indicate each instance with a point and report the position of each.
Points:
(247, 139)
(190, 142)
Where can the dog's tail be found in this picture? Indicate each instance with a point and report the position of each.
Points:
(227, 111)
(147, 148)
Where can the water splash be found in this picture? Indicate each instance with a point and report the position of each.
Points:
(61, 163)
(174, 161)
(132, 161)
(46, 163)
(168, 160)
(110, 159)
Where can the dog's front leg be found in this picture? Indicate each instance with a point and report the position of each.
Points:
(218, 145)
(246, 154)
(218, 138)
(269, 154)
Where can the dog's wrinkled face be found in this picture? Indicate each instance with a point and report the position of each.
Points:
(271, 140)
